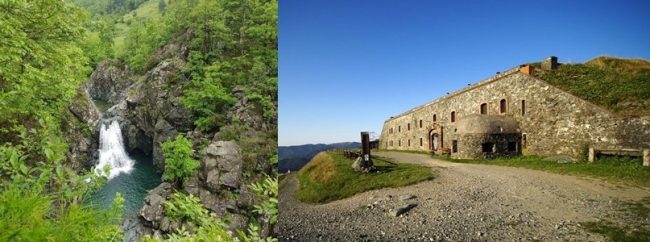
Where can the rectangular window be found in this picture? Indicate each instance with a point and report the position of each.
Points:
(484, 108)
(420, 141)
(488, 147)
(399, 128)
(454, 146)
(408, 126)
(409, 142)
(523, 107)
(420, 123)
(512, 146)
(434, 118)
(399, 143)
(524, 140)
(453, 116)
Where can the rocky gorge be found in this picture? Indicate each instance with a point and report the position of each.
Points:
(148, 109)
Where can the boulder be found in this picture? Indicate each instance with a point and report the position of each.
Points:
(153, 211)
(222, 165)
(363, 166)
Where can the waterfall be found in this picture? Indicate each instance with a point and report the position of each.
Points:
(111, 151)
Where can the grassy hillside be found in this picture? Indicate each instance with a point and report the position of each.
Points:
(329, 177)
(620, 85)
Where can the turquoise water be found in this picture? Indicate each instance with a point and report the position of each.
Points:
(133, 186)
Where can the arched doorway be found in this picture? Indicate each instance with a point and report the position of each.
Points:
(435, 137)
(435, 140)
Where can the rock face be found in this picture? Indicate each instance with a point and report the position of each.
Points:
(222, 165)
(215, 184)
(79, 131)
(108, 82)
(150, 112)
(153, 211)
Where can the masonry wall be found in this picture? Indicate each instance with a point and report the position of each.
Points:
(554, 121)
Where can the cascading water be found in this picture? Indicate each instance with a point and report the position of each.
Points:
(111, 152)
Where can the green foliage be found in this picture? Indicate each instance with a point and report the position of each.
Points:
(161, 5)
(189, 209)
(43, 64)
(252, 234)
(267, 209)
(98, 44)
(233, 47)
(179, 164)
(209, 100)
(186, 208)
(268, 191)
(115, 7)
(143, 38)
(43, 203)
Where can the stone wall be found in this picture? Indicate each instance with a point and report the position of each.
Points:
(470, 145)
(553, 122)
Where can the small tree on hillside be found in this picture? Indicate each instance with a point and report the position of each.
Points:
(179, 164)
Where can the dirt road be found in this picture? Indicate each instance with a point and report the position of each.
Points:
(466, 202)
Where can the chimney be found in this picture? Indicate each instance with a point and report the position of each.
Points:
(526, 69)
(550, 63)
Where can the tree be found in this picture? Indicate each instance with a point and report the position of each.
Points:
(179, 164)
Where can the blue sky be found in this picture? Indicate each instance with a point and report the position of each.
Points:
(347, 66)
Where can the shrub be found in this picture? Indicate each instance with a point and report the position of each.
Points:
(185, 207)
(179, 164)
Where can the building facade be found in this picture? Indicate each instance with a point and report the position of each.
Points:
(513, 113)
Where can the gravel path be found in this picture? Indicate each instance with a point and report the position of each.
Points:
(467, 202)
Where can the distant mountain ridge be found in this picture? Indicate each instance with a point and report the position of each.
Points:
(296, 156)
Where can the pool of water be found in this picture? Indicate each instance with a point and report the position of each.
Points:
(133, 186)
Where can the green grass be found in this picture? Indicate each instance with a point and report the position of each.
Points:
(329, 177)
(620, 85)
(615, 169)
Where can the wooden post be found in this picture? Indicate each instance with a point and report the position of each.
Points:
(591, 154)
(365, 146)
(363, 163)
(646, 157)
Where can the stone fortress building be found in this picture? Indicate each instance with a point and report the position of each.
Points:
(513, 113)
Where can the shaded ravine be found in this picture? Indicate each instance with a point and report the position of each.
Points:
(130, 174)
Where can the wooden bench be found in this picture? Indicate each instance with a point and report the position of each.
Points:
(644, 153)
